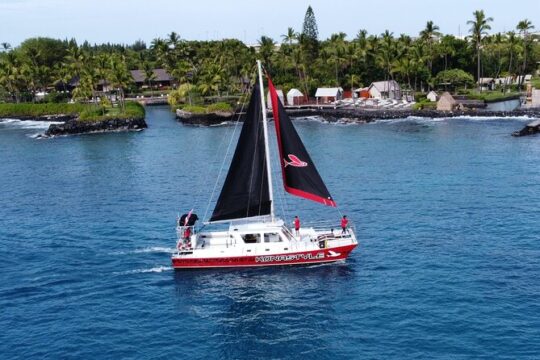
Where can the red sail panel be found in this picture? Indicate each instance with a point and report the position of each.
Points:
(300, 177)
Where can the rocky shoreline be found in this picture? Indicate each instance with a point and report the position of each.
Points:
(355, 115)
(76, 126)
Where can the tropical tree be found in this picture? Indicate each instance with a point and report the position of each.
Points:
(523, 27)
(512, 43)
(149, 76)
(290, 36)
(120, 78)
(266, 50)
(11, 75)
(479, 27)
(386, 53)
(309, 38)
(428, 35)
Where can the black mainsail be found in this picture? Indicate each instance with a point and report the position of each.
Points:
(300, 177)
(245, 191)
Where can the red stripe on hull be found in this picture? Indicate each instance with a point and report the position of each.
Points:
(298, 258)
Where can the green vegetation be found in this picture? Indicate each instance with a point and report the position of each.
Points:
(195, 109)
(35, 110)
(425, 104)
(219, 107)
(535, 82)
(212, 108)
(218, 69)
(491, 95)
(133, 110)
(86, 112)
(454, 78)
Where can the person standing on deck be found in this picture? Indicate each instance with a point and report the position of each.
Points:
(297, 225)
(344, 224)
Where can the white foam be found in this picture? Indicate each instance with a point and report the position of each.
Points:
(223, 123)
(151, 249)
(157, 269)
(491, 118)
(154, 249)
(28, 124)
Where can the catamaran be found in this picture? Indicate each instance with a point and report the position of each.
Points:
(255, 235)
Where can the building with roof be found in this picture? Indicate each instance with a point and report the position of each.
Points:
(446, 102)
(385, 90)
(269, 99)
(161, 78)
(328, 95)
(295, 97)
(432, 96)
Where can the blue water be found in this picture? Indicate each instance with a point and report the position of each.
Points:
(447, 213)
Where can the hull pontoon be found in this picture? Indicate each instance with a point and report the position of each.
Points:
(261, 244)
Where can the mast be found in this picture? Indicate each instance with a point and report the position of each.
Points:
(266, 146)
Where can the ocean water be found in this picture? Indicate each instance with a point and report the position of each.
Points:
(448, 266)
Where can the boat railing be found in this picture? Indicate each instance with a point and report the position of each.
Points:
(328, 226)
(185, 241)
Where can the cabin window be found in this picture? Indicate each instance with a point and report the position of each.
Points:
(272, 237)
(251, 238)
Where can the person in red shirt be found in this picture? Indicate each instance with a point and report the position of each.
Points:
(297, 225)
(344, 224)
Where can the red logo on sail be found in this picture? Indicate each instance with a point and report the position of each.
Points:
(295, 161)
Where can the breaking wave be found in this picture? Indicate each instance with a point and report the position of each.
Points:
(27, 124)
(157, 269)
(151, 249)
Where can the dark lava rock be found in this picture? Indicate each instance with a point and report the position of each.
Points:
(529, 129)
(205, 119)
(75, 126)
(356, 115)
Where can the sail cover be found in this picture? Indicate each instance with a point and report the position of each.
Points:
(245, 191)
(300, 177)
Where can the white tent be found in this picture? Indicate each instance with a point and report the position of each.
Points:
(280, 96)
(294, 97)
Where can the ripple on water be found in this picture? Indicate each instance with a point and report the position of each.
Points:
(447, 267)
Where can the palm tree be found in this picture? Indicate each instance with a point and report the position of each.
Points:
(160, 48)
(173, 40)
(447, 48)
(523, 27)
(337, 52)
(75, 60)
(212, 79)
(84, 90)
(11, 75)
(266, 49)
(430, 32)
(512, 43)
(5, 46)
(149, 75)
(290, 36)
(386, 52)
(121, 78)
(478, 30)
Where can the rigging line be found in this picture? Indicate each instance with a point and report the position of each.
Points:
(228, 150)
(206, 179)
